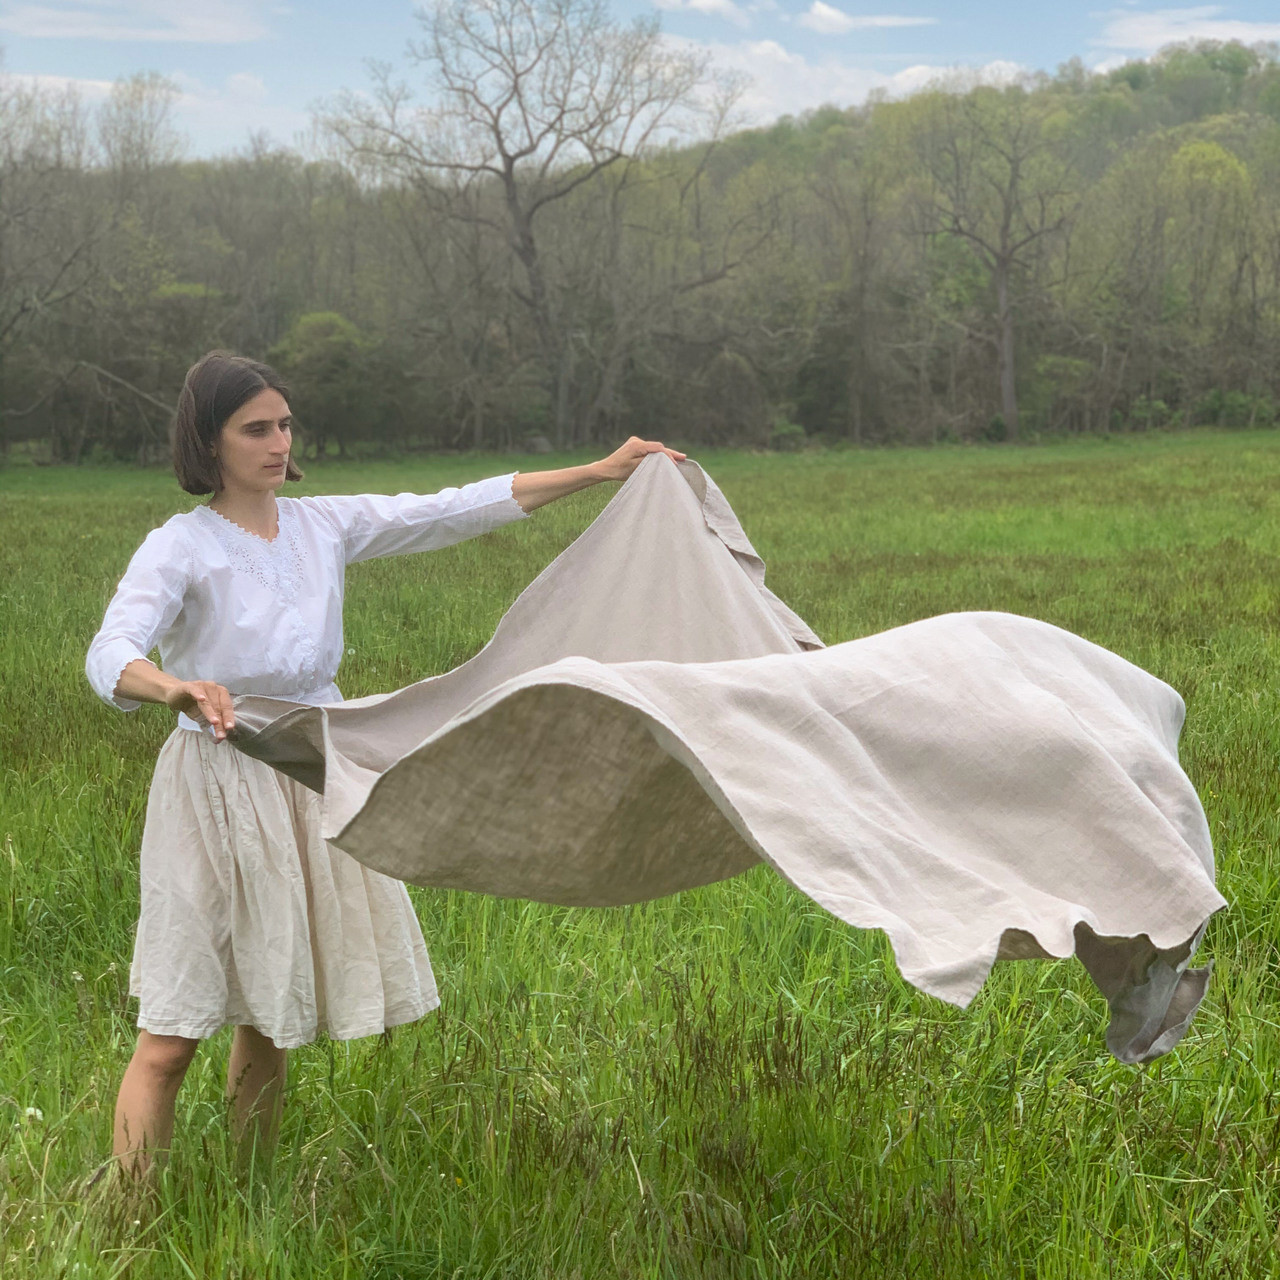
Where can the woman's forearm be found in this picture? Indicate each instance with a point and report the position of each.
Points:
(533, 489)
(143, 681)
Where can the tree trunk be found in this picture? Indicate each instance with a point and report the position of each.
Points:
(4, 420)
(1008, 384)
(555, 346)
(922, 384)
(854, 392)
(563, 381)
(77, 445)
(602, 414)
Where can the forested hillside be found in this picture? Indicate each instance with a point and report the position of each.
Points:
(1074, 253)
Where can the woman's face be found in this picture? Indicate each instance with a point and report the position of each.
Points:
(253, 449)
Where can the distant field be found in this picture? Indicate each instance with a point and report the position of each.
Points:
(725, 1084)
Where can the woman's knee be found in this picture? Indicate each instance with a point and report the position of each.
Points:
(165, 1057)
(257, 1045)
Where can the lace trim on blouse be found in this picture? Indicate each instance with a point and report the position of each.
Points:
(276, 565)
(279, 567)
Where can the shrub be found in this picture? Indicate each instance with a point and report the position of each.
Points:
(786, 436)
(1144, 413)
(1220, 408)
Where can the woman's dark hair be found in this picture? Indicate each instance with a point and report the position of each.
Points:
(215, 387)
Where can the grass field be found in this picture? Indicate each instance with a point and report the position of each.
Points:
(725, 1084)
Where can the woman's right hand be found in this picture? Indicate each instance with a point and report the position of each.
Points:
(203, 700)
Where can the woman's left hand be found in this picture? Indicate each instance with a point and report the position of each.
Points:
(623, 461)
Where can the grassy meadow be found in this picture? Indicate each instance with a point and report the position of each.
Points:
(728, 1083)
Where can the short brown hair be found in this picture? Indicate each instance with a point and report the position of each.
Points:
(216, 386)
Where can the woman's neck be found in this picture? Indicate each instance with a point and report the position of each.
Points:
(251, 510)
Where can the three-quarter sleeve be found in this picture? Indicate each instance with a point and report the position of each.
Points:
(145, 604)
(373, 524)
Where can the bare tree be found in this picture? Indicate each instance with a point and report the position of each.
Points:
(44, 146)
(539, 98)
(47, 234)
(851, 242)
(1000, 184)
(135, 127)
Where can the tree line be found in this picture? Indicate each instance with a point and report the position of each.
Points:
(568, 239)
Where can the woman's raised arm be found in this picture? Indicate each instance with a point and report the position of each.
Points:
(533, 489)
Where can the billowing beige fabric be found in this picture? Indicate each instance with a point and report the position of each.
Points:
(648, 717)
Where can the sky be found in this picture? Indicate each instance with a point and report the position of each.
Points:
(246, 67)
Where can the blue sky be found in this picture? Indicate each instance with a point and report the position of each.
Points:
(259, 65)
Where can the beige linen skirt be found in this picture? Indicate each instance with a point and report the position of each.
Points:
(249, 917)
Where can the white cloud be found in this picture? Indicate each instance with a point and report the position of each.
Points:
(205, 22)
(822, 17)
(245, 85)
(711, 8)
(785, 83)
(215, 119)
(1139, 32)
(90, 90)
(835, 22)
(220, 119)
(958, 78)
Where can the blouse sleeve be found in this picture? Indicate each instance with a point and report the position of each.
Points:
(143, 608)
(373, 525)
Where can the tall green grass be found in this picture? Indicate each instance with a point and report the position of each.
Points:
(724, 1084)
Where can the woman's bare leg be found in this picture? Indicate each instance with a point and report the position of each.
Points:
(148, 1094)
(255, 1087)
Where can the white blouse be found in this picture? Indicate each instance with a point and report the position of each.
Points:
(263, 617)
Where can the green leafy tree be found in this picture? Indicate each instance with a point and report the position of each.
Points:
(333, 387)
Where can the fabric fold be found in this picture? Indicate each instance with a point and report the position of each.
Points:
(649, 717)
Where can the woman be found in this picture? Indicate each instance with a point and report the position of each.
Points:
(247, 916)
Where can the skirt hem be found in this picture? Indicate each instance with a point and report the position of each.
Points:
(196, 1029)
